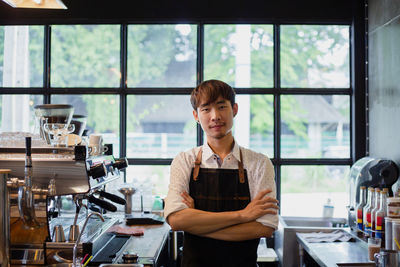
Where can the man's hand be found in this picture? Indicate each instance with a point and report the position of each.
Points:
(188, 200)
(260, 206)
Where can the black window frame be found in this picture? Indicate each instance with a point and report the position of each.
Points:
(356, 91)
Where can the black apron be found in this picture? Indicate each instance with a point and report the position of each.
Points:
(218, 190)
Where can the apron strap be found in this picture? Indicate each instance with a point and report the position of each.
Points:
(197, 164)
(240, 166)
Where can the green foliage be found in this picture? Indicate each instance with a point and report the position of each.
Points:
(102, 112)
(89, 56)
(150, 50)
(132, 121)
(218, 60)
(262, 110)
(85, 56)
(262, 56)
(303, 47)
(293, 116)
(36, 50)
(155, 53)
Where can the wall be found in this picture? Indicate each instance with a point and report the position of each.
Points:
(384, 78)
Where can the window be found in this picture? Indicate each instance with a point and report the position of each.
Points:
(315, 56)
(161, 56)
(159, 126)
(85, 56)
(21, 60)
(133, 81)
(17, 113)
(102, 112)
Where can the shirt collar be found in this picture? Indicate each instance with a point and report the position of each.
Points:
(208, 153)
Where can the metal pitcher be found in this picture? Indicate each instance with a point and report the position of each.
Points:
(387, 258)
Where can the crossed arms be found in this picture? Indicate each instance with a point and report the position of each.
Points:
(229, 225)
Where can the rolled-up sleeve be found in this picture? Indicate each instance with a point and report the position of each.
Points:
(266, 180)
(179, 182)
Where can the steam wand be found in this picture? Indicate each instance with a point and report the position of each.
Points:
(80, 235)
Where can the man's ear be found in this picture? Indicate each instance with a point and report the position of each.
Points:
(195, 115)
(235, 109)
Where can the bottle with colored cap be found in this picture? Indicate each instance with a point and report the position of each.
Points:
(360, 207)
(367, 212)
(380, 215)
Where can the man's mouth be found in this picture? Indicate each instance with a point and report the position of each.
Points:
(217, 126)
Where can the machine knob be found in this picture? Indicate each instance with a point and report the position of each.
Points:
(97, 171)
(130, 257)
(120, 163)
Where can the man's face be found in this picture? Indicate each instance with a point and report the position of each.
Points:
(216, 118)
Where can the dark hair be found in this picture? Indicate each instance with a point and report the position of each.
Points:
(210, 91)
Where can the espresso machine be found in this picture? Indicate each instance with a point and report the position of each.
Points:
(47, 195)
(369, 171)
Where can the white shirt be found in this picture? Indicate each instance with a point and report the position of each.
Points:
(260, 173)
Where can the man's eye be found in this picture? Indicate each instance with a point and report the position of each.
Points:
(222, 107)
(204, 109)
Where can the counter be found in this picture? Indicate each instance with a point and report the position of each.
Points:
(286, 245)
(328, 254)
(151, 247)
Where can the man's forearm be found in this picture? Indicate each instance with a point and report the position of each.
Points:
(240, 232)
(201, 222)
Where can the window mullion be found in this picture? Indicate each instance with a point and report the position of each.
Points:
(122, 91)
(46, 65)
(200, 71)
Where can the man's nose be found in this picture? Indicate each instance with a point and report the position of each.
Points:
(215, 115)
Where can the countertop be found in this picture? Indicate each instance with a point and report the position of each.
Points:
(328, 254)
(148, 246)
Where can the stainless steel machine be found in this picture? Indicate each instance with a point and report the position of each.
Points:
(45, 198)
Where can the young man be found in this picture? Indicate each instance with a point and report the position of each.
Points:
(220, 194)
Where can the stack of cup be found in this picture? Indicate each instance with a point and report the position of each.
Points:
(392, 224)
(96, 147)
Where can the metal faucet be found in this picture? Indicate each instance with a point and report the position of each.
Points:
(80, 235)
(74, 228)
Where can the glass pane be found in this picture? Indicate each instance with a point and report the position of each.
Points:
(85, 56)
(154, 176)
(162, 55)
(159, 126)
(241, 55)
(17, 114)
(254, 123)
(315, 56)
(21, 56)
(102, 113)
(305, 189)
(316, 126)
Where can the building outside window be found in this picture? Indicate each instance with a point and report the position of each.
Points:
(133, 82)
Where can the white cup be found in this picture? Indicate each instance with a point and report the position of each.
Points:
(97, 150)
(95, 139)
